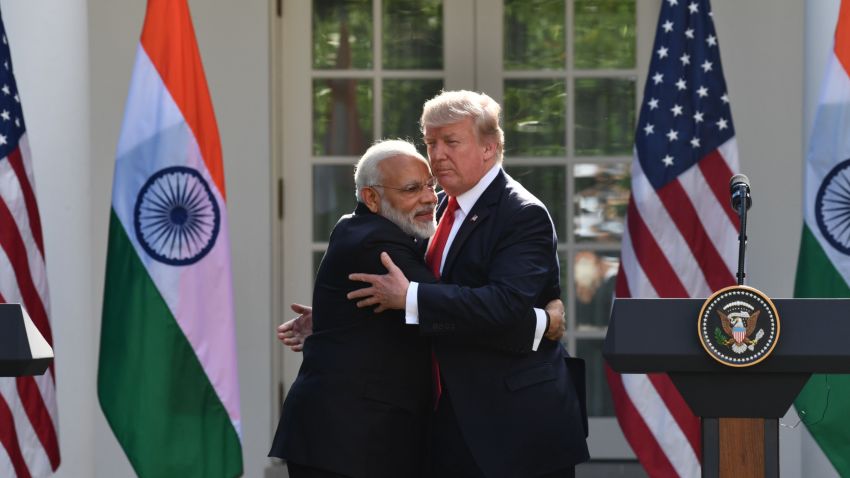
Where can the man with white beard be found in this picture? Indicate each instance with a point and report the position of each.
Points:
(362, 399)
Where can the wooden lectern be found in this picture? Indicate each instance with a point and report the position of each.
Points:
(739, 408)
(23, 350)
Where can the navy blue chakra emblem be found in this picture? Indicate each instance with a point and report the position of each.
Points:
(832, 207)
(176, 216)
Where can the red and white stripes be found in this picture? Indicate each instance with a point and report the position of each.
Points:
(28, 416)
(680, 241)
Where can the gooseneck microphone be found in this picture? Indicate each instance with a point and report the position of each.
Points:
(739, 188)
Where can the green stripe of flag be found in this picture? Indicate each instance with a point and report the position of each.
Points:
(151, 385)
(819, 404)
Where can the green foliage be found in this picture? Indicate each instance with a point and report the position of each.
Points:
(534, 35)
(342, 34)
(720, 337)
(605, 34)
(412, 34)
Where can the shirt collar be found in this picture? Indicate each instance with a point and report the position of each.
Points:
(468, 199)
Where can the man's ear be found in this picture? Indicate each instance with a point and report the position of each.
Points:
(489, 150)
(371, 198)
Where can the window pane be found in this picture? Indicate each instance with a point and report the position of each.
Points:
(598, 394)
(605, 116)
(333, 196)
(402, 105)
(535, 112)
(342, 116)
(594, 276)
(549, 184)
(534, 34)
(342, 34)
(600, 201)
(413, 34)
(605, 34)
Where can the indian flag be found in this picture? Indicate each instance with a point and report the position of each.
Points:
(824, 265)
(167, 379)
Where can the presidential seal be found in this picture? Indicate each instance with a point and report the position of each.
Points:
(738, 326)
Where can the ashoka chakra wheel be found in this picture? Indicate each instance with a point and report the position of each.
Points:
(176, 216)
(832, 207)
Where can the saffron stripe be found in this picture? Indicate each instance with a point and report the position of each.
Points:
(842, 37)
(171, 46)
(660, 274)
(16, 160)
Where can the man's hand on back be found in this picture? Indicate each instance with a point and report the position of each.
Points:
(295, 331)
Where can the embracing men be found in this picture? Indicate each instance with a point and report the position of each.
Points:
(506, 404)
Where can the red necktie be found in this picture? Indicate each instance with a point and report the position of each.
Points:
(433, 258)
(434, 255)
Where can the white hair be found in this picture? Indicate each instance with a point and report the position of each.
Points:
(367, 173)
(452, 106)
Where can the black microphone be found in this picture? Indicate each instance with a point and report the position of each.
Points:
(739, 187)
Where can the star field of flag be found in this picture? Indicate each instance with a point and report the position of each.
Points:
(11, 116)
(685, 112)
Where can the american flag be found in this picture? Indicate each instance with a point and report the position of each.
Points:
(28, 420)
(681, 234)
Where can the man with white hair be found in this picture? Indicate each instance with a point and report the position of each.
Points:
(500, 414)
(360, 405)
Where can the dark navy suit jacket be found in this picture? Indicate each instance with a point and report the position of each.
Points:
(518, 410)
(363, 395)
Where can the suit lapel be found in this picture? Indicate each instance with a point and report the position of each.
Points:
(479, 213)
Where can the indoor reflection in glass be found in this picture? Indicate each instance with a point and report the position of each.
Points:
(594, 276)
(600, 201)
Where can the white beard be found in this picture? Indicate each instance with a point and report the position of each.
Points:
(408, 223)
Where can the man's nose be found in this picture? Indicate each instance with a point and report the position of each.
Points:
(436, 151)
(428, 196)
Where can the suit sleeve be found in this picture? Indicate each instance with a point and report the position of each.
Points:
(404, 253)
(521, 270)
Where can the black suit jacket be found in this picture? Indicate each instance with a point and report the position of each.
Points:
(363, 395)
(519, 411)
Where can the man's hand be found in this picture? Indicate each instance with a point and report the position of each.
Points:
(557, 324)
(295, 331)
(388, 291)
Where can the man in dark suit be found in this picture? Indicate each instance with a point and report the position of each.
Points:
(360, 404)
(501, 414)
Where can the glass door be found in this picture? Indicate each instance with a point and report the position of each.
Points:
(568, 75)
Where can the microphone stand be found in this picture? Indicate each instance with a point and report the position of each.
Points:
(742, 237)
